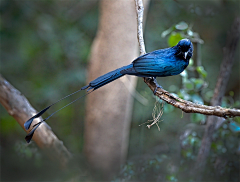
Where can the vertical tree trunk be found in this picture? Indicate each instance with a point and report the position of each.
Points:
(109, 109)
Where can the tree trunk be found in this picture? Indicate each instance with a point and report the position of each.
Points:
(109, 108)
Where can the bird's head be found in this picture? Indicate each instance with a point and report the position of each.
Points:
(185, 48)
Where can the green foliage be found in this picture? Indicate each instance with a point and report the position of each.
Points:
(174, 38)
(180, 31)
(201, 71)
(8, 124)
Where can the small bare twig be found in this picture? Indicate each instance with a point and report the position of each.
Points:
(186, 106)
(156, 114)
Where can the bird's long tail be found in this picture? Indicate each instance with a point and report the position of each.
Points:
(93, 85)
(107, 78)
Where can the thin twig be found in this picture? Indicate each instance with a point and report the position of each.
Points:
(156, 114)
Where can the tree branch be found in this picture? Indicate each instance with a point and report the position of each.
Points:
(139, 11)
(18, 106)
(186, 106)
(190, 107)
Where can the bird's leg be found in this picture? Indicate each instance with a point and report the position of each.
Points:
(157, 85)
(154, 80)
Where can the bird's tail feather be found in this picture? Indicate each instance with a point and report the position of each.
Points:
(107, 78)
(93, 85)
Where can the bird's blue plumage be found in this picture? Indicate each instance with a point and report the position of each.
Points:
(107, 78)
(159, 63)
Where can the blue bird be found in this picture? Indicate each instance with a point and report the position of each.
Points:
(159, 63)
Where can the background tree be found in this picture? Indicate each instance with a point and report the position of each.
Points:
(109, 110)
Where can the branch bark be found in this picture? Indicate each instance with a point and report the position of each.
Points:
(140, 11)
(190, 107)
(18, 107)
(223, 77)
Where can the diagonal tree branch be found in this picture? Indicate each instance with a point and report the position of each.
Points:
(18, 106)
(186, 106)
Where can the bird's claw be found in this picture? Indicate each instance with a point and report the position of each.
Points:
(157, 85)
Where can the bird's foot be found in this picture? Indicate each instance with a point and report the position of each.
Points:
(154, 80)
(157, 85)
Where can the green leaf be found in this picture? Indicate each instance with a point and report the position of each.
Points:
(197, 82)
(188, 85)
(190, 32)
(181, 26)
(236, 104)
(231, 93)
(174, 39)
(190, 62)
(237, 119)
(214, 146)
(201, 71)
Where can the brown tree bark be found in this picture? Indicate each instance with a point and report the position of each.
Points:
(18, 106)
(109, 109)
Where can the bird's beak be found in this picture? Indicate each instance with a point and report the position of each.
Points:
(185, 55)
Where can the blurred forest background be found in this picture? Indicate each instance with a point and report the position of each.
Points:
(45, 47)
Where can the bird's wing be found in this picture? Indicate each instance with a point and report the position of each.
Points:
(152, 65)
